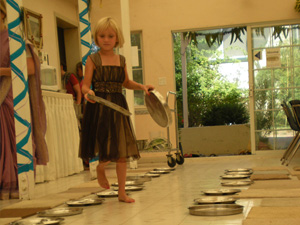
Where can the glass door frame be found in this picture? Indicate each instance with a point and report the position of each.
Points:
(251, 77)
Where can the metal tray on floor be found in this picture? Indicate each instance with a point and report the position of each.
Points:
(239, 170)
(107, 194)
(159, 171)
(38, 221)
(237, 183)
(216, 209)
(129, 183)
(152, 175)
(239, 173)
(142, 178)
(85, 202)
(235, 176)
(131, 188)
(215, 200)
(164, 169)
(60, 212)
(221, 191)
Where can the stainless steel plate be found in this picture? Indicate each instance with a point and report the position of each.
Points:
(164, 169)
(142, 178)
(216, 209)
(85, 202)
(159, 171)
(215, 200)
(110, 104)
(235, 176)
(129, 183)
(239, 173)
(237, 183)
(38, 221)
(239, 170)
(221, 191)
(152, 175)
(158, 109)
(60, 212)
(109, 193)
(131, 188)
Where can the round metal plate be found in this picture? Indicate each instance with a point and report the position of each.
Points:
(139, 178)
(159, 171)
(214, 200)
(152, 175)
(84, 202)
(235, 176)
(129, 183)
(221, 191)
(107, 194)
(238, 173)
(164, 169)
(131, 188)
(60, 212)
(239, 170)
(237, 183)
(216, 209)
(158, 109)
(38, 221)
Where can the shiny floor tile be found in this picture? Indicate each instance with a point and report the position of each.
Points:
(165, 200)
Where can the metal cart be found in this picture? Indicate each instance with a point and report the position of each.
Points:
(178, 154)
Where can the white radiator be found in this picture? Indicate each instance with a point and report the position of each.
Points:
(62, 138)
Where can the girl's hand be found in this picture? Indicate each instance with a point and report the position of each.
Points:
(148, 88)
(91, 92)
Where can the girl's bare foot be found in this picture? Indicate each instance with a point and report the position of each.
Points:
(126, 198)
(102, 180)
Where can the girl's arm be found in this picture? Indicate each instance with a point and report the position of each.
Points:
(130, 84)
(30, 62)
(5, 86)
(86, 84)
(5, 71)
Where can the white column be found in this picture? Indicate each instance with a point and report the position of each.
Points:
(251, 92)
(184, 44)
(21, 100)
(126, 51)
(85, 31)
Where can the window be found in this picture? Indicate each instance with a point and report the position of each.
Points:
(137, 70)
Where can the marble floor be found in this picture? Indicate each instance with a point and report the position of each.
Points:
(164, 200)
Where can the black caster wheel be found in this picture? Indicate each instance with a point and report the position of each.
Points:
(171, 161)
(179, 159)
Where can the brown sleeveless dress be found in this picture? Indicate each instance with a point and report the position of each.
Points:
(105, 132)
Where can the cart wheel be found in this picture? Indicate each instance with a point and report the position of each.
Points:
(179, 159)
(171, 161)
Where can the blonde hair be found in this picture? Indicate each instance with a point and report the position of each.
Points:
(105, 23)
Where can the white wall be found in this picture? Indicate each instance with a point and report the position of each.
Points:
(158, 18)
(50, 9)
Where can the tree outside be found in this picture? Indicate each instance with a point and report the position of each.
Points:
(212, 98)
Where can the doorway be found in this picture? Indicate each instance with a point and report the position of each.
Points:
(275, 77)
(69, 44)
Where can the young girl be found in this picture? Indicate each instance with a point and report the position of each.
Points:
(106, 132)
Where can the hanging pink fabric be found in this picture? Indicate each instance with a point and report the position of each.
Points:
(8, 152)
(38, 115)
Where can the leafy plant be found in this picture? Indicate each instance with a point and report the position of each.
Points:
(206, 87)
(297, 6)
(226, 113)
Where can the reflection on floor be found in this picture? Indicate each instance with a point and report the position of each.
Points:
(164, 200)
